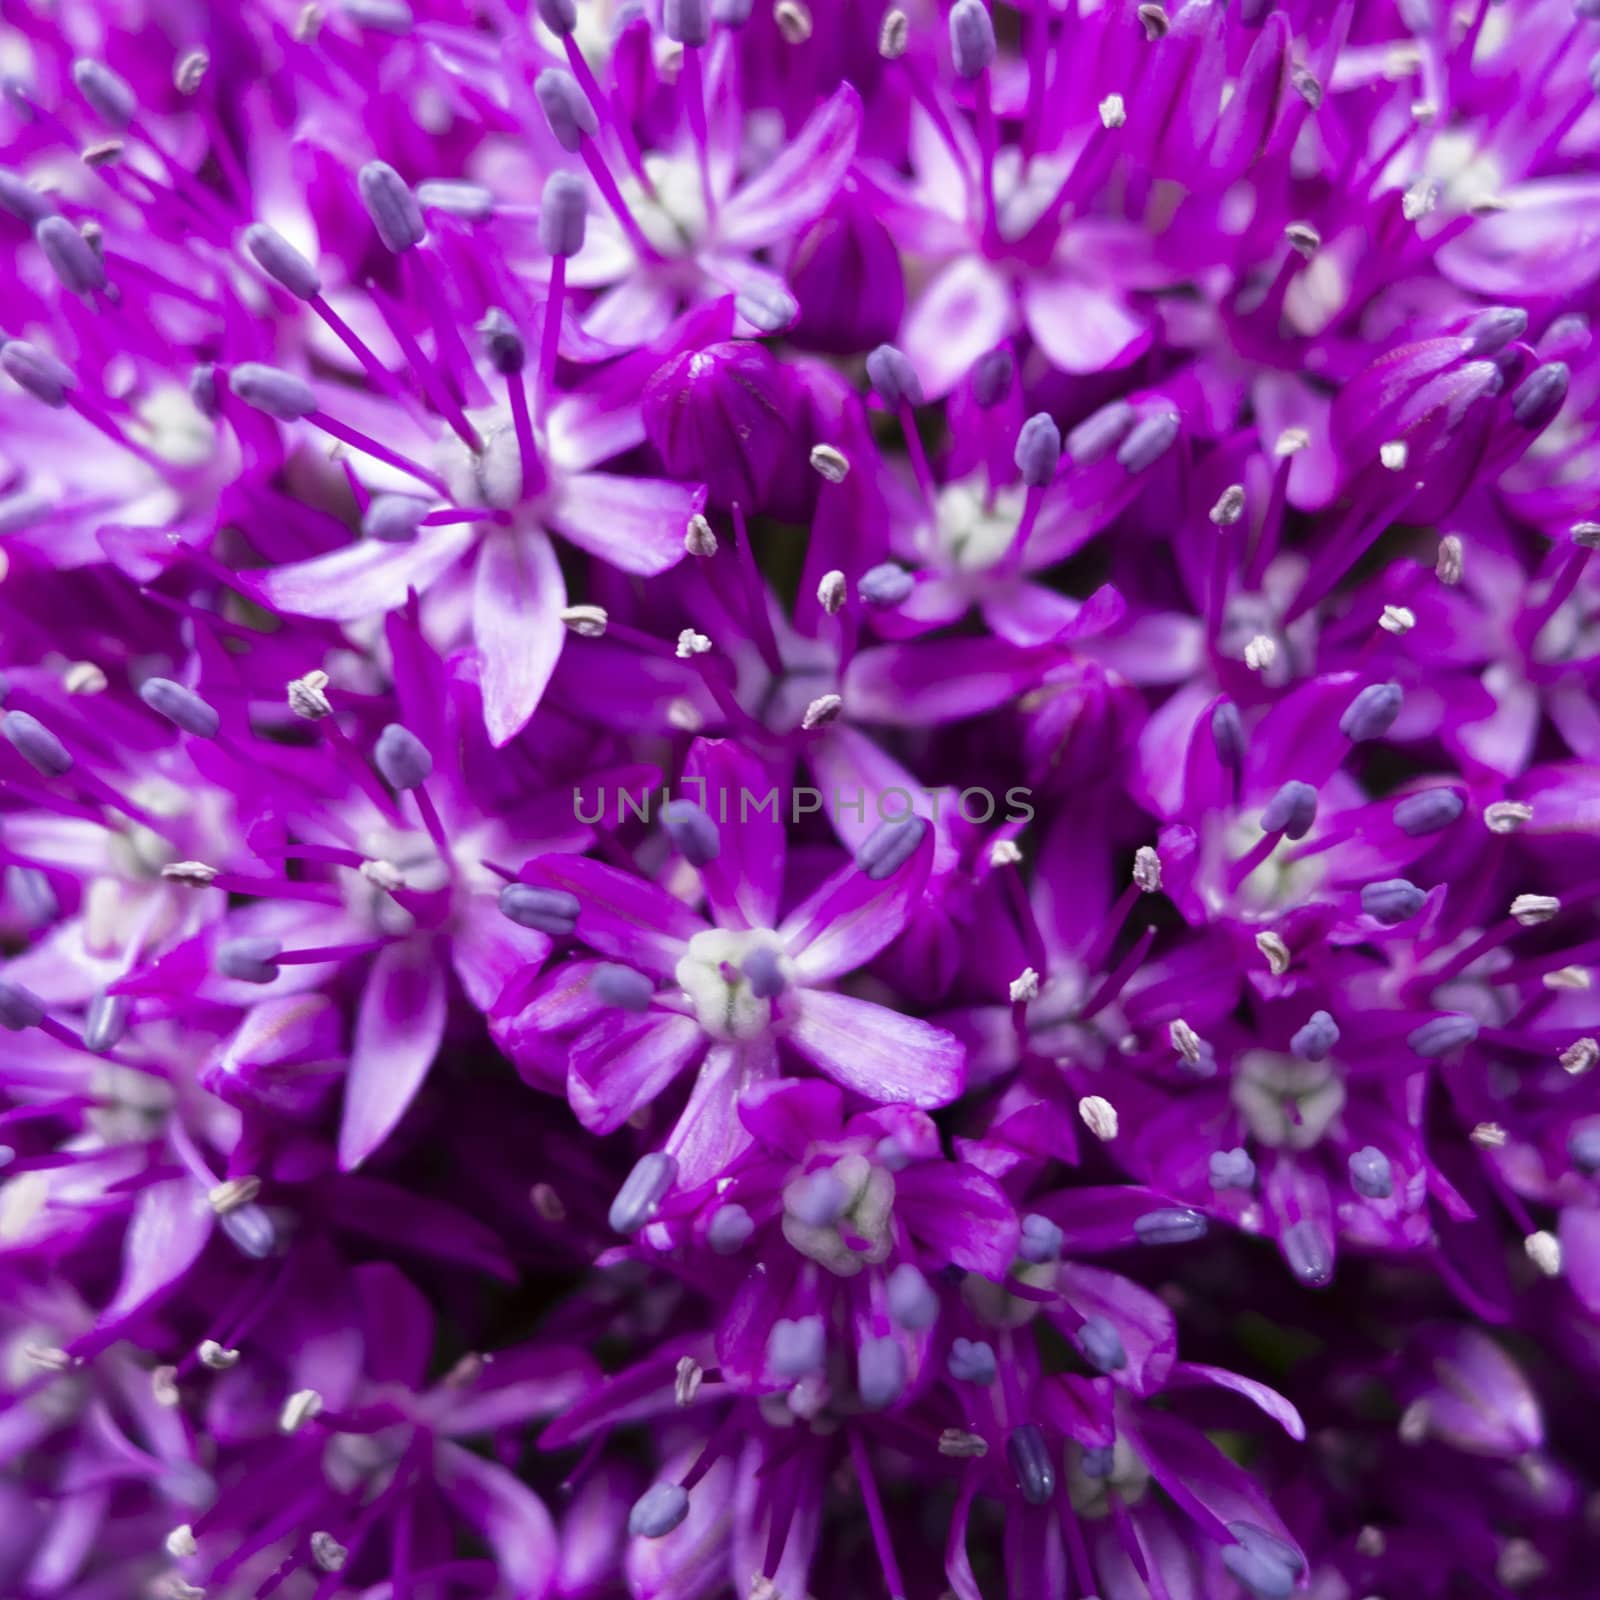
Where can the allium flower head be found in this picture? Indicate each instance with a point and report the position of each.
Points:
(799, 798)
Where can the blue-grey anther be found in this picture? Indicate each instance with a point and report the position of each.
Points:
(765, 973)
(1030, 1459)
(72, 258)
(622, 987)
(891, 374)
(1098, 1460)
(24, 202)
(1263, 1574)
(1315, 1038)
(37, 371)
(551, 911)
(885, 585)
(1494, 329)
(1232, 1169)
(280, 394)
(36, 744)
(1442, 1034)
(1291, 811)
(687, 22)
(1254, 1537)
(1169, 1225)
(769, 307)
(1370, 1173)
(502, 343)
(379, 16)
(642, 1191)
(732, 13)
(181, 706)
(1227, 734)
(972, 43)
(889, 846)
(729, 1228)
(566, 108)
(973, 1361)
(796, 1347)
(31, 893)
(817, 1199)
(402, 758)
(1038, 452)
(1371, 714)
(248, 960)
(1102, 1344)
(281, 261)
(559, 16)
(1427, 811)
(563, 213)
(992, 373)
(913, 1304)
(1540, 395)
(251, 1230)
(394, 518)
(660, 1509)
(880, 1373)
(105, 1022)
(1040, 1239)
(693, 833)
(1099, 434)
(1391, 901)
(1583, 1147)
(1309, 1253)
(203, 390)
(18, 1008)
(1147, 441)
(392, 206)
(456, 197)
(112, 99)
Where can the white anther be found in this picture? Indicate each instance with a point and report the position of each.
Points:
(1025, 986)
(823, 710)
(233, 1193)
(829, 463)
(588, 622)
(298, 1410)
(1099, 1116)
(1447, 564)
(1544, 1251)
(1532, 909)
(1271, 945)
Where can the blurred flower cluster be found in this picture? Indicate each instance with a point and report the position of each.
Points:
(799, 799)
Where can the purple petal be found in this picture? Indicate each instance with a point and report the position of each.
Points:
(624, 1062)
(636, 524)
(399, 1028)
(517, 599)
(877, 1053)
(801, 181)
(851, 917)
(622, 917)
(509, 1515)
(363, 578)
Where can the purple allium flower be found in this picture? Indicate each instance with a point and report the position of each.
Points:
(799, 799)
